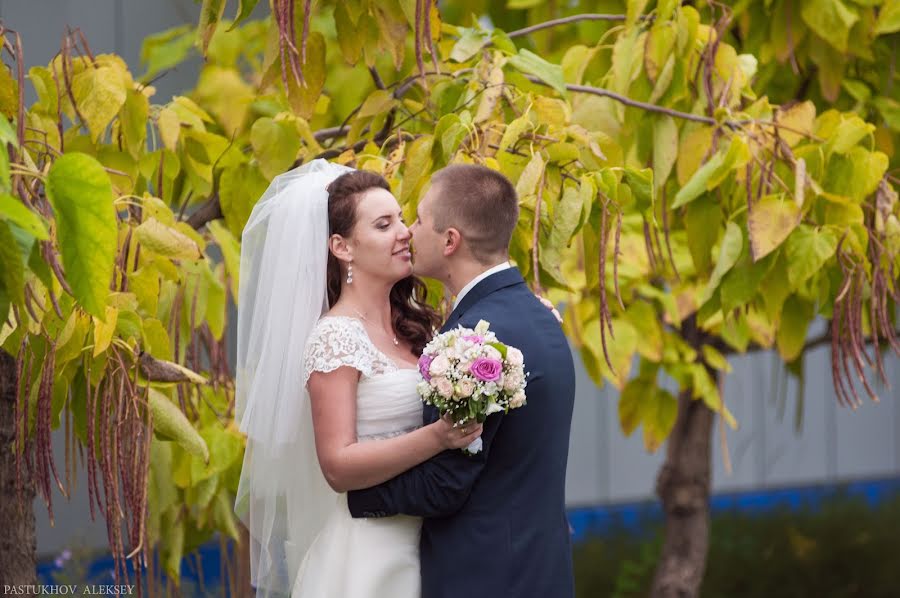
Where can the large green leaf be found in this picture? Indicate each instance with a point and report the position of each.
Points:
(275, 145)
(888, 17)
(170, 423)
(12, 274)
(81, 194)
(166, 241)
(831, 20)
(531, 64)
(791, 333)
(808, 249)
(239, 190)
(13, 210)
(210, 14)
(99, 94)
(729, 252)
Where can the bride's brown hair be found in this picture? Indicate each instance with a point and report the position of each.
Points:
(413, 319)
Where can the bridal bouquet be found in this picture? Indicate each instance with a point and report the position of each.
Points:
(469, 375)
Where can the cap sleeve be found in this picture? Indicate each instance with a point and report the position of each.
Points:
(337, 342)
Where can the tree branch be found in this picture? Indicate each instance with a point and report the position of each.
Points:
(565, 21)
(209, 211)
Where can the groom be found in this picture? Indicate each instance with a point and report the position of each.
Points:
(495, 523)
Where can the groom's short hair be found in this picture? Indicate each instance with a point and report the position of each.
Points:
(479, 202)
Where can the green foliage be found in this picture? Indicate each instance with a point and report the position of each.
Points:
(811, 552)
(682, 191)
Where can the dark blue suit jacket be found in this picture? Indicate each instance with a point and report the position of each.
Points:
(495, 523)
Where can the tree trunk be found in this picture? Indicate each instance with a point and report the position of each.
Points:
(683, 487)
(18, 543)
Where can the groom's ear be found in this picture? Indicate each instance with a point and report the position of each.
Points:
(452, 241)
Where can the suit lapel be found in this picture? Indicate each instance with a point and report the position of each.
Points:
(492, 283)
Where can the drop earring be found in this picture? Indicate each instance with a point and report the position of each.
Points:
(350, 273)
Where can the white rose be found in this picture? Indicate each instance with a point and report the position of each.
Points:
(465, 388)
(514, 356)
(512, 380)
(490, 352)
(517, 400)
(443, 386)
(439, 366)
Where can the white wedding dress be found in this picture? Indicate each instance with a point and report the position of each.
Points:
(364, 558)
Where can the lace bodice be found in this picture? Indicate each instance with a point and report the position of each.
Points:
(387, 402)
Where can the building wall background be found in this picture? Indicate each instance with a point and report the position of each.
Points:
(829, 445)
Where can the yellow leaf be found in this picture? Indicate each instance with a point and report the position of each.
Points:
(104, 329)
(99, 94)
(771, 220)
(169, 127)
(166, 241)
(797, 122)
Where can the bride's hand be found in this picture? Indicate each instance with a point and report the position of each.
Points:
(456, 437)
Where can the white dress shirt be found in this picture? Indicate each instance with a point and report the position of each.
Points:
(479, 278)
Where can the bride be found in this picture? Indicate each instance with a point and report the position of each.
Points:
(330, 324)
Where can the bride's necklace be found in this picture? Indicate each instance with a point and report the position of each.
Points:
(359, 313)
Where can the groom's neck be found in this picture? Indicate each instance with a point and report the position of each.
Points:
(465, 272)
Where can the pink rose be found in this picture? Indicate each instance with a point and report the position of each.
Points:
(465, 388)
(443, 386)
(424, 364)
(474, 338)
(439, 365)
(487, 370)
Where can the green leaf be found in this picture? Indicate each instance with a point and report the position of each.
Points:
(166, 241)
(166, 49)
(13, 269)
(415, 174)
(770, 222)
(703, 221)
(378, 102)
(730, 250)
(807, 251)
(851, 131)
(641, 184)
(239, 190)
(531, 64)
(350, 41)
(231, 253)
(275, 145)
(790, 335)
(665, 148)
(713, 172)
(468, 44)
(889, 108)
(133, 121)
(99, 94)
(888, 18)
(81, 194)
(831, 20)
(660, 411)
(245, 7)
(522, 4)
(13, 210)
(634, 9)
(565, 220)
(303, 99)
(210, 14)
(635, 392)
(171, 423)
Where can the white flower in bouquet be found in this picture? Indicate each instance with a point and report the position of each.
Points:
(470, 375)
